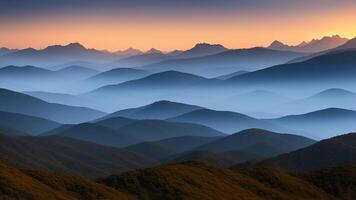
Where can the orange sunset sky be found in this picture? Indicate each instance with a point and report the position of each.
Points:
(169, 26)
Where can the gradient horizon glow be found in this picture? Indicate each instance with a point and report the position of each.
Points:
(169, 25)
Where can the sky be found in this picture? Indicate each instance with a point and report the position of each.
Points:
(171, 24)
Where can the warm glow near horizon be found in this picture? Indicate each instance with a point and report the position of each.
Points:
(169, 31)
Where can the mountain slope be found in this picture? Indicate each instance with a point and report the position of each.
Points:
(35, 185)
(319, 73)
(330, 98)
(150, 130)
(164, 148)
(225, 121)
(192, 180)
(26, 124)
(315, 45)
(338, 121)
(340, 150)
(98, 134)
(25, 104)
(55, 55)
(156, 110)
(201, 49)
(225, 62)
(66, 155)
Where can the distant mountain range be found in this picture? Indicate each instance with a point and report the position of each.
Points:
(315, 45)
(55, 55)
(121, 132)
(24, 104)
(330, 98)
(225, 121)
(349, 45)
(225, 62)
(334, 69)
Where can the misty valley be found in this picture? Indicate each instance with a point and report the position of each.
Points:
(209, 122)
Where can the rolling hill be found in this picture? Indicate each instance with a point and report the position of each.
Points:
(224, 121)
(66, 155)
(167, 147)
(338, 121)
(248, 138)
(333, 70)
(150, 130)
(330, 98)
(26, 124)
(97, 134)
(24, 104)
(156, 110)
(336, 151)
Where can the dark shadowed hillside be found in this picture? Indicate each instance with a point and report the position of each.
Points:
(192, 180)
(97, 134)
(340, 150)
(27, 124)
(250, 137)
(66, 155)
(35, 185)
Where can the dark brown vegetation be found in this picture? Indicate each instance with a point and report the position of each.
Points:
(194, 180)
(31, 185)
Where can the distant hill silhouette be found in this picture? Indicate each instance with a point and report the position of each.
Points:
(315, 45)
(338, 121)
(128, 52)
(340, 150)
(4, 50)
(114, 122)
(66, 155)
(225, 121)
(27, 124)
(330, 98)
(55, 55)
(247, 139)
(77, 71)
(97, 134)
(150, 130)
(25, 104)
(227, 76)
(167, 147)
(349, 45)
(202, 49)
(156, 110)
(322, 72)
(225, 62)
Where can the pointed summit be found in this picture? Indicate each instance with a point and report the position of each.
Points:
(153, 50)
(276, 44)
